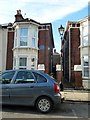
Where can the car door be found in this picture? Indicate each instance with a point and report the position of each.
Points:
(24, 88)
(5, 84)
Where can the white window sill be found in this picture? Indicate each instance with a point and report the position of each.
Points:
(25, 47)
(85, 78)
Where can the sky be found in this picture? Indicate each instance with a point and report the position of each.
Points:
(56, 12)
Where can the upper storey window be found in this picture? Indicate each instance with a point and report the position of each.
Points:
(26, 36)
(23, 36)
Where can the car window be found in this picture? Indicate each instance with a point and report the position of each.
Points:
(6, 77)
(24, 77)
(40, 78)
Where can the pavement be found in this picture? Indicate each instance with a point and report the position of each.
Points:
(76, 95)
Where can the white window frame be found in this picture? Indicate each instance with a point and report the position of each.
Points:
(85, 66)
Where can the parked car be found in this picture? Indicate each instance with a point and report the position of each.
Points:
(30, 87)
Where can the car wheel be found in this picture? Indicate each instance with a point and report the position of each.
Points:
(44, 104)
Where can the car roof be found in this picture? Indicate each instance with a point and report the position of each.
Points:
(25, 70)
(36, 71)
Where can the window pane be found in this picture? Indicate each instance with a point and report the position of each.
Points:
(85, 66)
(86, 63)
(85, 40)
(24, 77)
(23, 62)
(34, 32)
(23, 36)
(7, 77)
(86, 72)
(24, 32)
(85, 30)
(33, 42)
(39, 78)
(23, 41)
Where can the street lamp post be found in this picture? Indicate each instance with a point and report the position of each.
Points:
(61, 32)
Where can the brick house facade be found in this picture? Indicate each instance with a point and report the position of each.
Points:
(76, 57)
(44, 39)
(71, 51)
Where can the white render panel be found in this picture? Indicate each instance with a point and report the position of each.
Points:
(86, 84)
(3, 49)
(85, 50)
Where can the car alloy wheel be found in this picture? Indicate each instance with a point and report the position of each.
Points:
(44, 104)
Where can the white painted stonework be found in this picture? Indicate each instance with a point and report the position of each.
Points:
(3, 48)
(85, 48)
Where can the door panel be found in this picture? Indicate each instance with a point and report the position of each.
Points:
(5, 84)
(6, 94)
(24, 88)
(23, 94)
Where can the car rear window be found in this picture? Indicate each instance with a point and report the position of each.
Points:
(39, 78)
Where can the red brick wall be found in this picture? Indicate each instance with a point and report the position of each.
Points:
(78, 79)
(75, 43)
(75, 50)
(41, 43)
(74, 38)
(45, 53)
(58, 76)
(9, 58)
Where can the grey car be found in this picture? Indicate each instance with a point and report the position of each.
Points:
(29, 87)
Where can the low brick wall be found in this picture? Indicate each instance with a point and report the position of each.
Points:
(58, 76)
(78, 79)
(78, 76)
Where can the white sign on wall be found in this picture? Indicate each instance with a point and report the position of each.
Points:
(41, 67)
